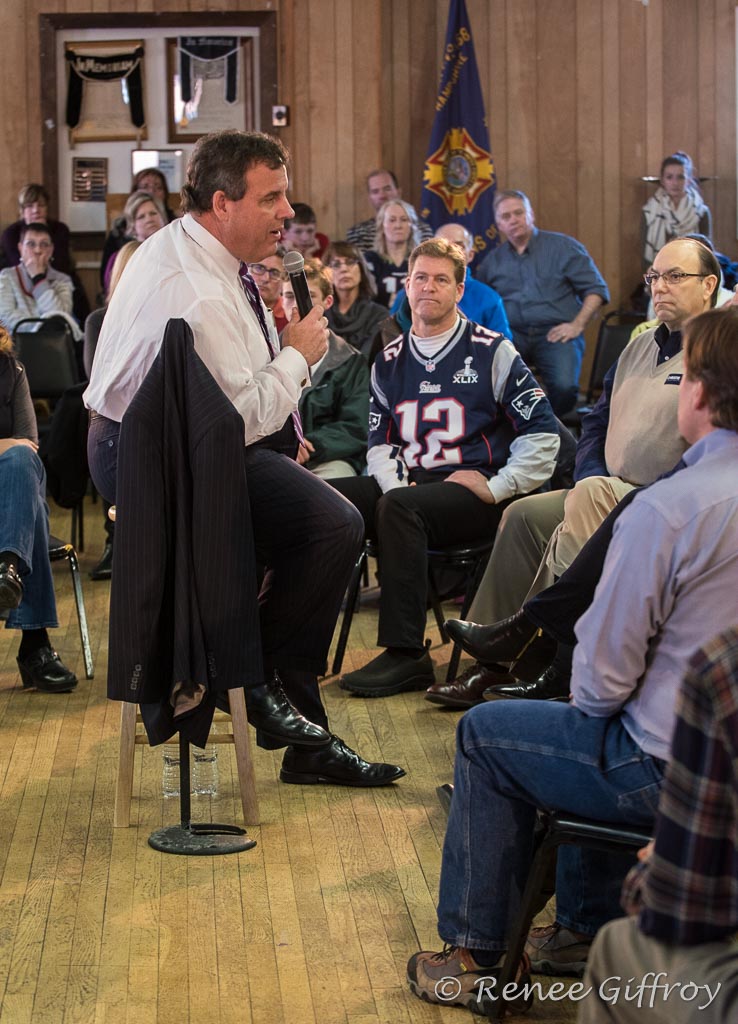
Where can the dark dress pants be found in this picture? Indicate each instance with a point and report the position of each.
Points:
(308, 538)
(405, 522)
(557, 608)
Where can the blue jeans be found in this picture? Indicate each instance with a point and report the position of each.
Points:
(558, 364)
(24, 530)
(511, 758)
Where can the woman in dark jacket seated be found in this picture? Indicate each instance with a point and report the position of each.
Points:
(354, 316)
(26, 584)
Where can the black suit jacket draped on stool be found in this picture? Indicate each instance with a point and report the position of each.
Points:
(183, 611)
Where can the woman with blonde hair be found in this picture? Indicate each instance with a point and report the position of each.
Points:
(398, 232)
(27, 597)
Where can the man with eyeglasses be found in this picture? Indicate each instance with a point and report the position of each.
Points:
(628, 440)
(34, 288)
(269, 276)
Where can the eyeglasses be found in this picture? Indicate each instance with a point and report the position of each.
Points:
(668, 277)
(37, 245)
(349, 262)
(261, 271)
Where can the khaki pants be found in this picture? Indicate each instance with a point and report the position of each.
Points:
(625, 967)
(537, 540)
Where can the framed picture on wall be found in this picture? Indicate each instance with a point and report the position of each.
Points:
(210, 86)
(105, 90)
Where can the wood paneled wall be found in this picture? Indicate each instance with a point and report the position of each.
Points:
(582, 97)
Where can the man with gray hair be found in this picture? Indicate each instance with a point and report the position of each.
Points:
(381, 185)
(551, 289)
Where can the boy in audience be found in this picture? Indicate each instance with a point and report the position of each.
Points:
(301, 233)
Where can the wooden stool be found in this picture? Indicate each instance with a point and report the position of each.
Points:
(238, 736)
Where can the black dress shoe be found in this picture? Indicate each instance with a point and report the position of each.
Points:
(467, 689)
(516, 639)
(552, 685)
(104, 568)
(269, 710)
(11, 588)
(445, 795)
(337, 764)
(43, 670)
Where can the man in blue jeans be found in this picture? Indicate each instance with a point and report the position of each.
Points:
(551, 289)
(668, 584)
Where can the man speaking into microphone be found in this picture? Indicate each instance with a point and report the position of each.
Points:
(306, 535)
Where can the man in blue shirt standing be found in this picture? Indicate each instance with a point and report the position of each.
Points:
(551, 289)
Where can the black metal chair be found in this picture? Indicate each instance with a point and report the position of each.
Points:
(614, 333)
(468, 558)
(46, 348)
(556, 829)
(58, 551)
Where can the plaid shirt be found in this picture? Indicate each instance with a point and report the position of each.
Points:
(687, 892)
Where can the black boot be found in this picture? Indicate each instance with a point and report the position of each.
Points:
(104, 568)
(511, 640)
(269, 711)
(11, 588)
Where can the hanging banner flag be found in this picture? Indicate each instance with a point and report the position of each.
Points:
(459, 179)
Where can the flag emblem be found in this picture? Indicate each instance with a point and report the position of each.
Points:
(459, 171)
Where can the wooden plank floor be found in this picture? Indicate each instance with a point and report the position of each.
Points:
(315, 924)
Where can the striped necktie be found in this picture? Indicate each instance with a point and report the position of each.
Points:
(252, 294)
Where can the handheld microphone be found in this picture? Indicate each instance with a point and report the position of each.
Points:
(294, 265)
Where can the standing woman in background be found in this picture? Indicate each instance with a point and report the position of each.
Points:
(676, 208)
(398, 232)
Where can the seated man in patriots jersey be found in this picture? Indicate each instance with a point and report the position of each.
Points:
(458, 427)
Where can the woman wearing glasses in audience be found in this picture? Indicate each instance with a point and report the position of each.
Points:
(398, 232)
(354, 316)
(269, 277)
(34, 288)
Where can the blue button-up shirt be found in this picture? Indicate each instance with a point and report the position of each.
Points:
(546, 284)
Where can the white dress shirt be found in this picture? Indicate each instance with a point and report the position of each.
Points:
(184, 272)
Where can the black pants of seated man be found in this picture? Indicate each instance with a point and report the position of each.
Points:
(557, 608)
(307, 537)
(405, 522)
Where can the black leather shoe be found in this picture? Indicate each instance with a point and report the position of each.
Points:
(390, 673)
(11, 588)
(43, 670)
(552, 685)
(337, 764)
(467, 689)
(269, 711)
(104, 568)
(445, 795)
(516, 639)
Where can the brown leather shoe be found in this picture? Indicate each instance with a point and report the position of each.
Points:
(466, 690)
